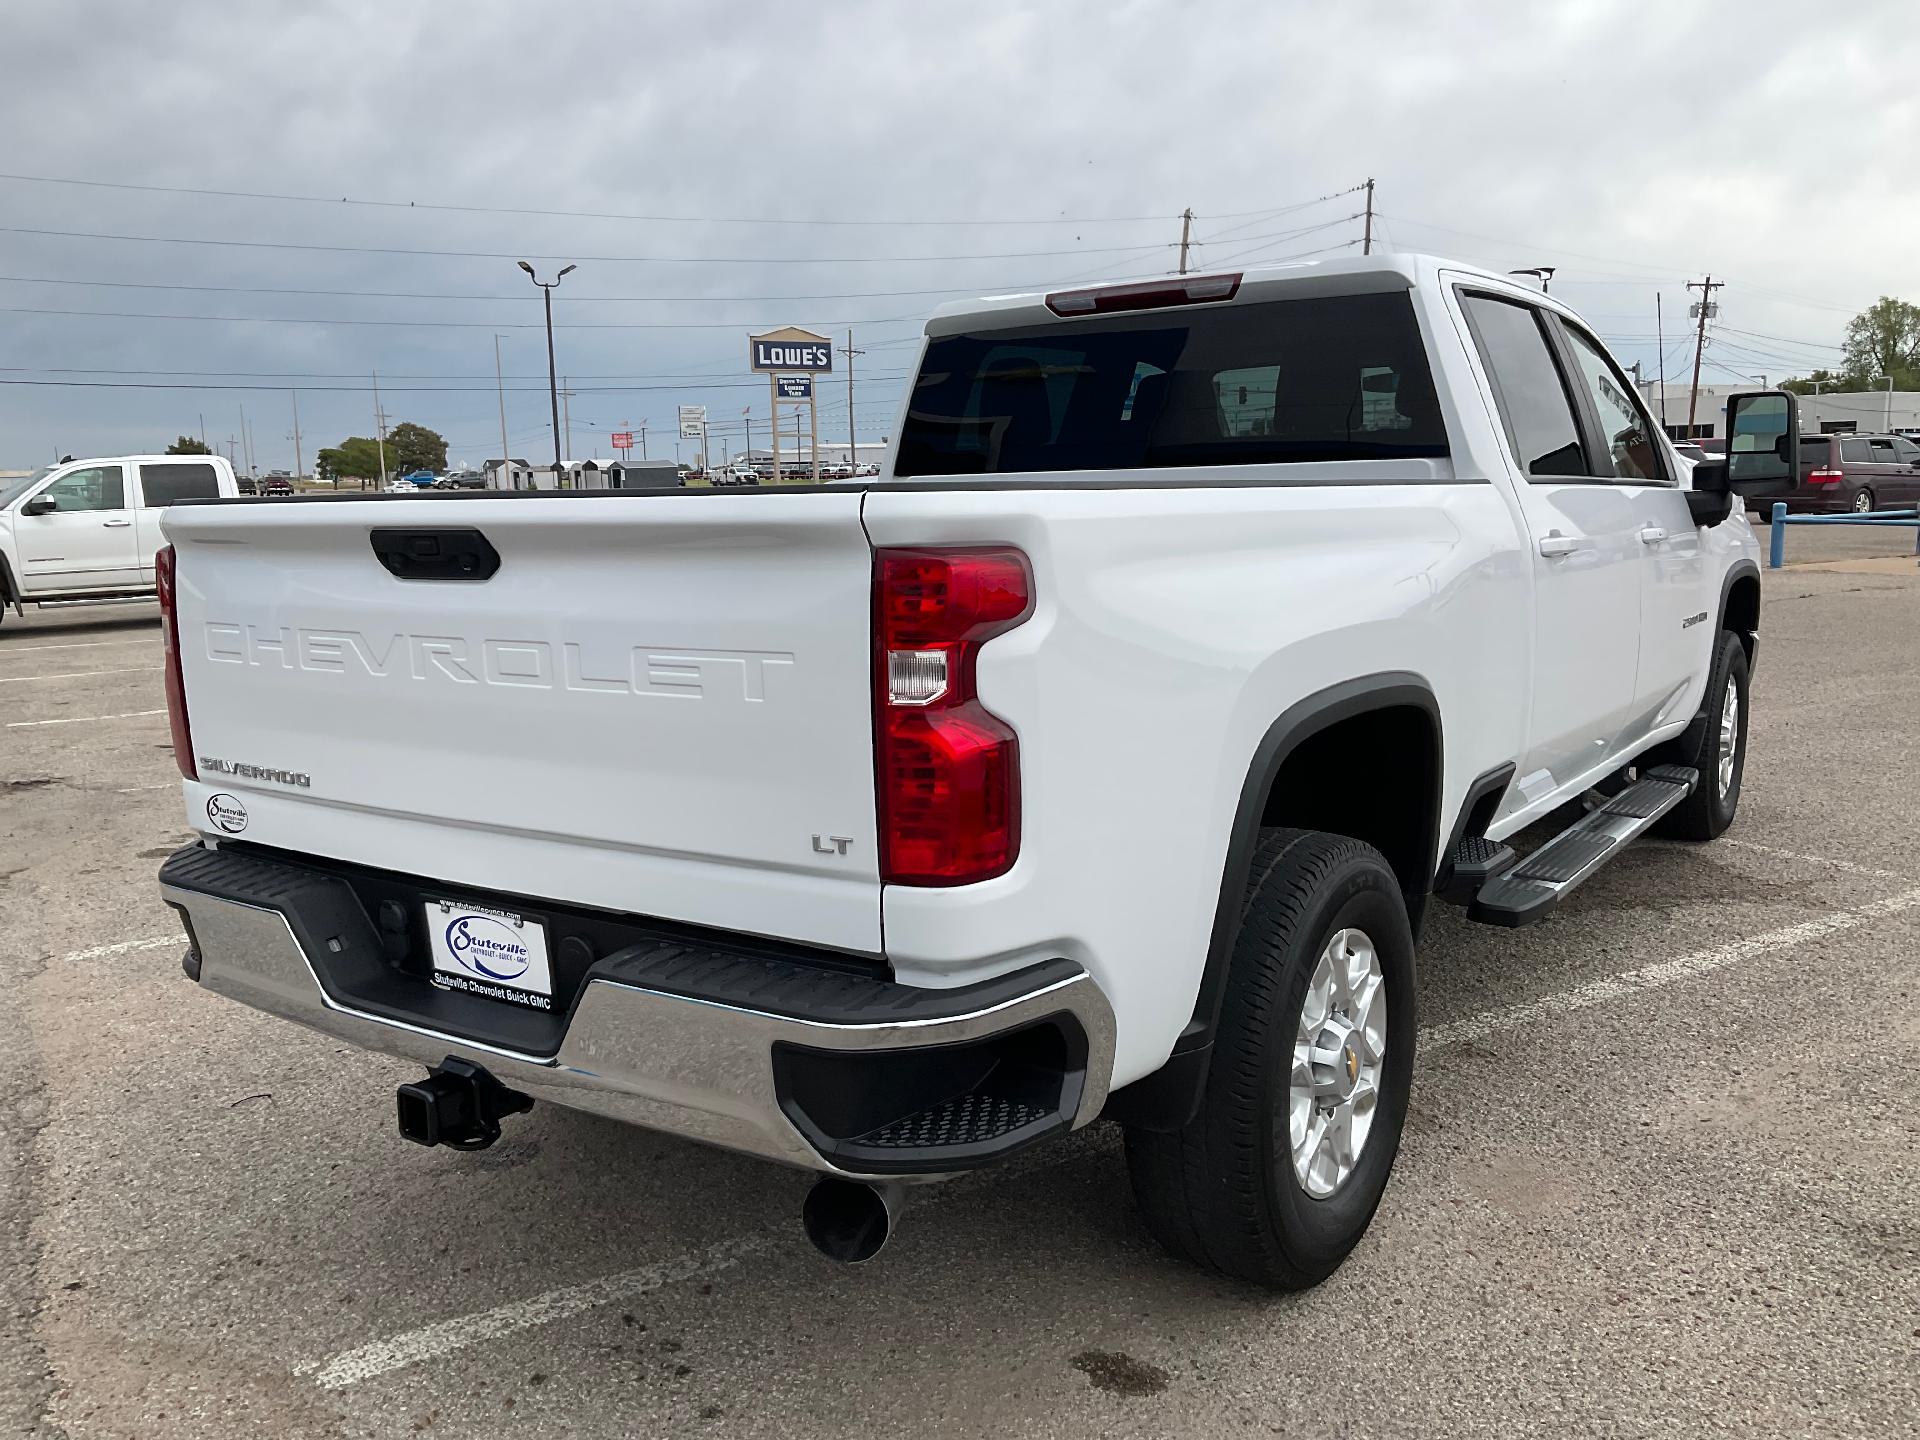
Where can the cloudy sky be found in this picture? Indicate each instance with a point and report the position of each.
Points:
(719, 168)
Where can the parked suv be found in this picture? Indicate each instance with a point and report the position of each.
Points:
(1857, 473)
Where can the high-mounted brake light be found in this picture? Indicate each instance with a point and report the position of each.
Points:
(163, 579)
(947, 775)
(1147, 295)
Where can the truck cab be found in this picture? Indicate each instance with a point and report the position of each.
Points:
(88, 529)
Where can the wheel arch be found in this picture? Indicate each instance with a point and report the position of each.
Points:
(1310, 735)
(1740, 606)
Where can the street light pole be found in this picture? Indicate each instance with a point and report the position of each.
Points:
(547, 288)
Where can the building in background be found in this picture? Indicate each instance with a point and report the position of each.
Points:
(1838, 412)
(507, 474)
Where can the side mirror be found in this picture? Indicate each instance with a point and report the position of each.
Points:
(1709, 501)
(1763, 443)
(39, 505)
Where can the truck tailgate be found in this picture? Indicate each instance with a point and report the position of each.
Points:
(653, 706)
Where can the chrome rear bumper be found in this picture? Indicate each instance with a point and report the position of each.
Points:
(700, 1066)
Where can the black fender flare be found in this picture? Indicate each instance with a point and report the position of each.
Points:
(1168, 1098)
(1741, 569)
(9, 592)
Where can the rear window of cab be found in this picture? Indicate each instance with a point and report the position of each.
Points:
(1318, 379)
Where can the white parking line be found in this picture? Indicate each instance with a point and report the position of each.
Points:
(1827, 860)
(350, 1367)
(6, 650)
(125, 947)
(76, 674)
(1663, 972)
(81, 719)
(444, 1337)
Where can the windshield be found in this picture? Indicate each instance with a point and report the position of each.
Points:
(12, 490)
(1334, 378)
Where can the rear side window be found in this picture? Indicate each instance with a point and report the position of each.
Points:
(1883, 452)
(1334, 378)
(1533, 399)
(189, 480)
(1817, 453)
(1856, 452)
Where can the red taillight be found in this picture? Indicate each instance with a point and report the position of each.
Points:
(947, 772)
(1146, 295)
(1825, 477)
(170, 650)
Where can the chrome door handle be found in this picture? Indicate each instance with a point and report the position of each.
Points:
(114, 524)
(1554, 544)
(1652, 535)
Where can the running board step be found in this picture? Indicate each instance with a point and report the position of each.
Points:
(1528, 892)
(1475, 861)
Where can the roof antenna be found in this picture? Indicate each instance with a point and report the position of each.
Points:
(1542, 273)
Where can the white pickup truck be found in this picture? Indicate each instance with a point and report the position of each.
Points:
(87, 530)
(1100, 757)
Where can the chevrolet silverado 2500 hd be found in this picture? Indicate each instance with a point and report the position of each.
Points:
(1101, 756)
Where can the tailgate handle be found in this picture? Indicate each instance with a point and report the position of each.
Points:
(462, 554)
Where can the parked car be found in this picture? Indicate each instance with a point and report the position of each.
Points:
(1855, 473)
(1128, 819)
(88, 529)
(733, 475)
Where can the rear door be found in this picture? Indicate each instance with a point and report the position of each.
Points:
(162, 482)
(1907, 457)
(654, 704)
(1893, 479)
(86, 541)
(1675, 603)
(1587, 552)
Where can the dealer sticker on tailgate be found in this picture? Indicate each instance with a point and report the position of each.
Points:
(494, 953)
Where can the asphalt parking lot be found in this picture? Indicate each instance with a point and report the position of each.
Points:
(1661, 1174)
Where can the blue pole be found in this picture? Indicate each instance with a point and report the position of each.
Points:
(1777, 551)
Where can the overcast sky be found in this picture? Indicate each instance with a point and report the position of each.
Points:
(1634, 147)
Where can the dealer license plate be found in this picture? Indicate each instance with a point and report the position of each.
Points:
(493, 953)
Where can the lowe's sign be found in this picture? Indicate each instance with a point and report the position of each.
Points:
(792, 350)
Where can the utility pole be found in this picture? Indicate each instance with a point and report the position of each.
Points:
(1704, 310)
(203, 429)
(643, 439)
(299, 460)
(747, 415)
(232, 443)
(380, 429)
(1660, 340)
(500, 386)
(1366, 236)
(566, 405)
(1186, 238)
(246, 439)
(853, 447)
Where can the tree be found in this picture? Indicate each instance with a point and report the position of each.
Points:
(1884, 340)
(413, 447)
(355, 458)
(1816, 382)
(187, 445)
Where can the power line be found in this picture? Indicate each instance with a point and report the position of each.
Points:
(546, 212)
(576, 258)
(741, 325)
(516, 296)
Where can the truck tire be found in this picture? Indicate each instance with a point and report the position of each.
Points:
(1322, 963)
(1717, 749)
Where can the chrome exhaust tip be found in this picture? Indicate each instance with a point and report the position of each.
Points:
(850, 1220)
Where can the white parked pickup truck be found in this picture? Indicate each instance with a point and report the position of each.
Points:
(1100, 757)
(88, 530)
